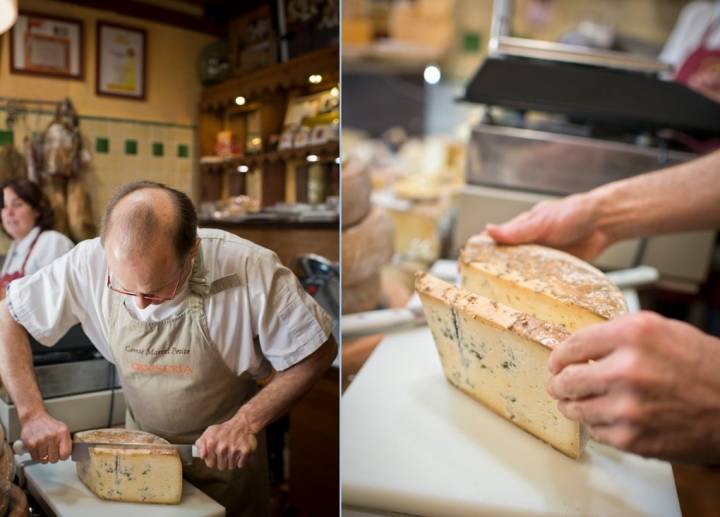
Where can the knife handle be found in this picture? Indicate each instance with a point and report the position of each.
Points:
(18, 447)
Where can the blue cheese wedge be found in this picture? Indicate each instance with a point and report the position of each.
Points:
(499, 355)
(549, 284)
(134, 475)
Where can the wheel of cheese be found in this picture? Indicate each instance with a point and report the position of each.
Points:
(136, 475)
(7, 463)
(546, 283)
(367, 246)
(494, 335)
(18, 503)
(356, 188)
(363, 296)
(5, 488)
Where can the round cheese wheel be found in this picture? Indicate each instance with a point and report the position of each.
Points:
(4, 497)
(367, 246)
(356, 188)
(7, 463)
(18, 503)
(363, 296)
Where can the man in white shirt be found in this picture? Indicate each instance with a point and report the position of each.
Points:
(191, 318)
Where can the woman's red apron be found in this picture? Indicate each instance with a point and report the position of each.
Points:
(9, 277)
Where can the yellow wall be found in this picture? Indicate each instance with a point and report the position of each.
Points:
(167, 115)
(172, 87)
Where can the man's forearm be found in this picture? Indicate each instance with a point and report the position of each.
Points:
(16, 367)
(684, 197)
(286, 387)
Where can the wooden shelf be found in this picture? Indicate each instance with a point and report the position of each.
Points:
(325, 152)
(283, 76)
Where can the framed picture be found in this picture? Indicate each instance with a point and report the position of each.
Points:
(121, 61)
(47, 45)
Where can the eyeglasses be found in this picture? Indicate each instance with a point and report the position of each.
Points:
(150, 297)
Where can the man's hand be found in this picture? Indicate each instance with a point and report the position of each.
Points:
(645, 384)
(228, 445)
(569, 224)
(46, 438)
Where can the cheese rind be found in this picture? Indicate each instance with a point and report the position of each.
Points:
(7, 463)
(134, 475)
(498, 356)
(546, 283)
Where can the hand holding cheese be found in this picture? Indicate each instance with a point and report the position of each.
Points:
(643, 383)
(228, 445)
(46, 438)
(568, 224)
(684, 197)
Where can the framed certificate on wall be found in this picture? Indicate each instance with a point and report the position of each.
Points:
(47, 45)
(121, 61)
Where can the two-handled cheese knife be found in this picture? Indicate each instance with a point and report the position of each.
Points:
(81, 450)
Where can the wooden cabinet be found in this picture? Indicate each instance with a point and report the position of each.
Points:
(252, 107)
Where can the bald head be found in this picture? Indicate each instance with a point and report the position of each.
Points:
(145, 216)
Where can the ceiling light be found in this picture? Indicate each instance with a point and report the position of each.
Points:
(432, 74)
(312, 158)
(240, 100)
(8, 14)
(315, 78)
(243, 168)
(334, 91)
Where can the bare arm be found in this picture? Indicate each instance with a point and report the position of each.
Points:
(47, 439)
(680, 198)
(228, 445)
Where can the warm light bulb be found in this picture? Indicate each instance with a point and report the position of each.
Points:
(243, 168)
(334, 91)
(240, 100)
(312, 158)
(432, 74)
(315, 78)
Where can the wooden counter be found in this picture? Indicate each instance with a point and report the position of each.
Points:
(288, 239)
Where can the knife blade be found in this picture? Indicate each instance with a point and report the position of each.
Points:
(81, 450)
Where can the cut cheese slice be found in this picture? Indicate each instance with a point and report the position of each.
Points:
(7, 463)
(498, 356)
(549, 284)
(133, 475)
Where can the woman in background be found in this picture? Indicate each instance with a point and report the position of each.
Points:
(28, 219)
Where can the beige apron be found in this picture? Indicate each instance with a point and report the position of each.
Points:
(176, 385)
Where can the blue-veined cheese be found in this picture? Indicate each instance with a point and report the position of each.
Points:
(498, 355)
(135, 475)
(549, 284)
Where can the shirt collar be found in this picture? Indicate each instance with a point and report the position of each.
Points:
(24, 243)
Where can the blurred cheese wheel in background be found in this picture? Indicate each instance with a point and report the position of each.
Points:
(367, 246)
(356, 188)
(365, 295)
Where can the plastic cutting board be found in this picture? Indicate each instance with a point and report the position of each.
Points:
(414, 444)
(62, 491)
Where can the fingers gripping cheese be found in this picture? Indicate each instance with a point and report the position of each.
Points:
(494, 334)
(135, 475)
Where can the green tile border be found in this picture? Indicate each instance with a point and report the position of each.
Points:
(183, 151)
(158, 149)
(131, 147)
(102, 145)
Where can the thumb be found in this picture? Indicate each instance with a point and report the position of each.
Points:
(522, 229)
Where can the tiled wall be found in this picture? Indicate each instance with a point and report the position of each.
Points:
(123, 151)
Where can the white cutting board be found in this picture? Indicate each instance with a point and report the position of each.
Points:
(59, 488)
(412, 443)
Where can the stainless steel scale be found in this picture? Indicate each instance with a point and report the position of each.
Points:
(571, 119)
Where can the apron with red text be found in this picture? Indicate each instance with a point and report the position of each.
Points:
(176, 385)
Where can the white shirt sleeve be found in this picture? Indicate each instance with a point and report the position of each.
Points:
(686, 36)
(46, 303)
(289, 324)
